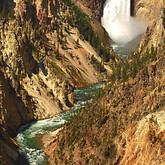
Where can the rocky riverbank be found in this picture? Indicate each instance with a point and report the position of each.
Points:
(49, 138)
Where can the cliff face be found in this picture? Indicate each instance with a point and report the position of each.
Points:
(25, 73)
(152, 13)
(95, 7)
(47, 48)
(126, 124)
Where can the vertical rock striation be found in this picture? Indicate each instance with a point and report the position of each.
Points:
(152, 12)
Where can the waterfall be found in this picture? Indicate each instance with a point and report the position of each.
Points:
(121, 27)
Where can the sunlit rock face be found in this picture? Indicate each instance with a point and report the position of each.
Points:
(118, 22)
(152, 12)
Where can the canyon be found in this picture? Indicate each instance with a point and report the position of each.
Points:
(126, 124)
(50, 47)
(43, 58)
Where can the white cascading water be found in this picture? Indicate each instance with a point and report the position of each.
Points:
(121, 27)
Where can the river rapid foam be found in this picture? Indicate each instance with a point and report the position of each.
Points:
(28, 135)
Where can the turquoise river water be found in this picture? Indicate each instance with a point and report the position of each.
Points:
(28, 136)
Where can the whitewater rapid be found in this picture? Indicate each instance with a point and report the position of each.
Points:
(29, 134)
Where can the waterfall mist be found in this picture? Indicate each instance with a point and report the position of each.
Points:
(121, 27)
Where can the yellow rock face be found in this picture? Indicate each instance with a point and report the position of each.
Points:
(151, 11)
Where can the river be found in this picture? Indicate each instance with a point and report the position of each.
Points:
(28, 135)
(121, 51)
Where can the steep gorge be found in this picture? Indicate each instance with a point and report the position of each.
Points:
(49, 59)
(44, 55)
(126, 124)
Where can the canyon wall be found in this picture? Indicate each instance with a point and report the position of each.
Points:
(95, 7)
(153, 13)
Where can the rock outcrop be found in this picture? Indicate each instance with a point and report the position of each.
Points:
(14, 111)
(95, 7)
(153, 13)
